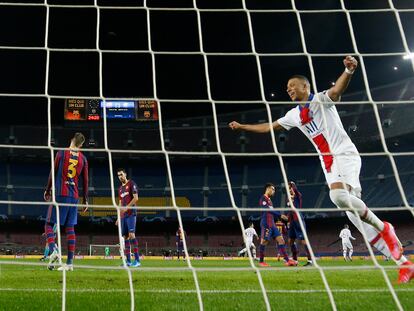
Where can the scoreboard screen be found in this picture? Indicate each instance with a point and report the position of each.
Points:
(147, 110)
(93, 110)
(82, 110)
(118, 109)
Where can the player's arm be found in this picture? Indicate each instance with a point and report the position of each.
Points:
(342, 83)
(284, 217)
(133, 201)
(85, 177)
(48, 191)
(256, 128)
(119, 204)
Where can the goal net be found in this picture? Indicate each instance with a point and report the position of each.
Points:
(153, 85)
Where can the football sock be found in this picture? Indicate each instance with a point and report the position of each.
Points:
(46, 252)
(71, 239)
(294, 250)
(282, 251)
(50, 236)
(134, 243)
(127, 250)
(308, 255)
(262, 252)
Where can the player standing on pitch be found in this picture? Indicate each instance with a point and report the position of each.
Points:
(128, 197)
(346, 235)
(70, 164)
(295, 231)
(269, 229)
(339, 157)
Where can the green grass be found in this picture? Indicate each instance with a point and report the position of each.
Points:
(26, 287)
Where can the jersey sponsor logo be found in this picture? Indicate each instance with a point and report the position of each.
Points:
(312, 128)
(124, 194)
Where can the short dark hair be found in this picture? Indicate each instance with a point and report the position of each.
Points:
(300, 77)
(269, 184)
(251, 224)
(78, 139)
(346, 226)
(121, 169)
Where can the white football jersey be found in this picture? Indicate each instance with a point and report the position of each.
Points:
(250, 233)
(337, 142)
(345, 235)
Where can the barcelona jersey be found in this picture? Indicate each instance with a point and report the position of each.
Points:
(268, 217)
(126, 194)
(297, 201)
(69, 166)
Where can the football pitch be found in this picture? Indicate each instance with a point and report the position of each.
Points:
(158, 285)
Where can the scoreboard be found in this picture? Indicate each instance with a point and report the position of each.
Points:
(93, 110)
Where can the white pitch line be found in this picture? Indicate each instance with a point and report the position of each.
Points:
(225, 291)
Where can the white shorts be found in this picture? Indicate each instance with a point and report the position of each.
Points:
(346, 245)
(346, 169)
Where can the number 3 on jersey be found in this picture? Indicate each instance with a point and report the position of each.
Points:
(72, 168)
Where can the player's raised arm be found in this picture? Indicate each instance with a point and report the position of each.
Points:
(256, 128)
(342, 83)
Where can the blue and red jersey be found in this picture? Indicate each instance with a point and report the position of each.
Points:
(268, 217)
(297, 201)
(126, 194)
(69, 166)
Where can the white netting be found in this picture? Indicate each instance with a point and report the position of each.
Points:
(223, 155)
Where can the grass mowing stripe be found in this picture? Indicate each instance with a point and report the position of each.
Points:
(229, 291)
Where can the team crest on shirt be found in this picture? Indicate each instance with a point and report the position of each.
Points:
(264, 203)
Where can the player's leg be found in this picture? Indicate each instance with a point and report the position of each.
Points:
(253, 250)
(45, 252)
(351, 251)
(242, 251)
(375, 239)
(127, 243)
(69, 218)
(50, 222)
(345, 251)
(66, 218)
(265, 236)
(308, 255)
(342, 196)
(281, 246)
(134, 246)
(292, 243)
(71, 241)
(131, 223)
(71, 222)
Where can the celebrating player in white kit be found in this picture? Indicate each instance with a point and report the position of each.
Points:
(250, 233)
(346, 237)
(339, 157)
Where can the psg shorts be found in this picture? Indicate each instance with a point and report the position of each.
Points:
(346, 169)
(268, 233)
(68, 215)
(128, 225)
